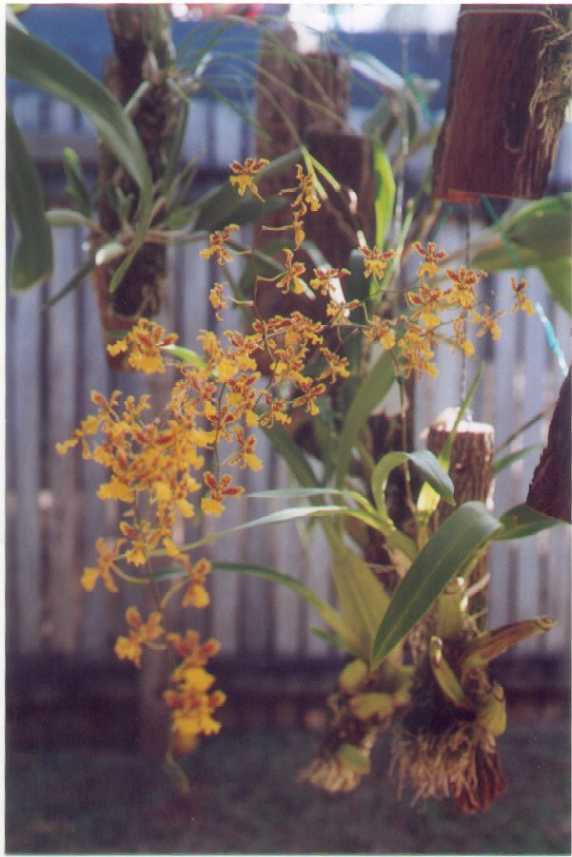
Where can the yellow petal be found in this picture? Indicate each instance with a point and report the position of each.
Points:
(89, 578)
(186, 509)
(212, 507)
(162, 491)
(118, 347)
(115, 490)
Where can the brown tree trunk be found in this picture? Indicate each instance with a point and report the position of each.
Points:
(510, 85)
(471, 470)
(142, 52)
(309, 99)
(549, 491)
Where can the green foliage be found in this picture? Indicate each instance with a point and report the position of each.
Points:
(372, 390)
(32, 259)
(427, 464)
(385, 194)
(330, 616)
(501, 464)
(33, 62)
(523, 521)
(536, 236)
(76, 186)
(428, 499)
(457, 541)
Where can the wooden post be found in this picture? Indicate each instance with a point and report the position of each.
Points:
(510, 85)
(471, 470)
(315, 105)
(308, 100)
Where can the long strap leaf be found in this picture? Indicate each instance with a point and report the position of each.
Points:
(370, 393)
(452, 547)
(32, 259)
(33, 62)
(330, 616)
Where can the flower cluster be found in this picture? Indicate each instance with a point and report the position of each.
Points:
(178, 465)
(306, 199)
(140, 633)
(182, 464)
(191, 701)
(442, 305)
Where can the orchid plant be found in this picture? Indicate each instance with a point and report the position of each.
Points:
(418, 657)
(182, 464)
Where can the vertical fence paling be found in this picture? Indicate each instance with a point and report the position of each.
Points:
(64, 517)
(54, 517)
(98, 613)
(25, 613)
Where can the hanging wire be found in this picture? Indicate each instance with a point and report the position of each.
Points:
(513, 251)
(551, 338)
(404, 134)
(464, 360)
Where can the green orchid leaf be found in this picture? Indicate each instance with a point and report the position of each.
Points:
(370, 393)
(354, 759)
(501, 464)
(68, 218)
(356, 286)
(332, 640)
(344, 634)
(184, 216)
(176, 144)
(520, 430)
(425, 462)
(446, 555)
(180, 186)
(362, 600)
(535, 235)
(491, 644)
(185, 355)
(108, 252)
(73, 283)
(32, 259)
(557, 275)
(523, 521)
(33, 62)
(294, 457)
(428, 498)
(385, 194)
(305, 493)
(76, 186)
(280, 517)
(377, 72)
(223, 205)
(366, 514)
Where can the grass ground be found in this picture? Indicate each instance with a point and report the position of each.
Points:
(246, 800)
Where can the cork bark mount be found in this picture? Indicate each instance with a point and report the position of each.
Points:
(511, 81)
(143, 51)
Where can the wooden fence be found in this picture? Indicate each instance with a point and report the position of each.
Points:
(55, 357)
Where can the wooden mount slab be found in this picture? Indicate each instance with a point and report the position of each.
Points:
(141, 290)
(308, 99)
(511, 81)
(471, 466)
(471, 470)
(550, 489)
